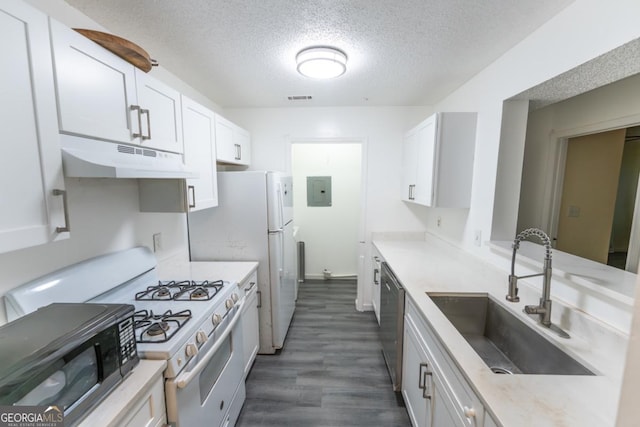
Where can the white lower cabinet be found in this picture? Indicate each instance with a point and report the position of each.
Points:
(415, 372)
(250, 328)
(32, 194)
(150, 410)
(435, 392)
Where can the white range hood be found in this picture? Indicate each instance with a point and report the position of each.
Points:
(90, 158)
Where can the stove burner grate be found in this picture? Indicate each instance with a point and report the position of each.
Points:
(185, 290)
(158, 328)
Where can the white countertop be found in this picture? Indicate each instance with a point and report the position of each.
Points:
(513, 400)
(124, 397)
(178, 268)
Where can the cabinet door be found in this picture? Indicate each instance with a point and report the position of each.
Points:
(250, 328)
(443, 412)
(149, 411)
(200, 154)
(161, 116)
(95, 88)
(426, 155)
(233, 144)
(416, 379)
(30, 166)
(409, 165)
(225, 150)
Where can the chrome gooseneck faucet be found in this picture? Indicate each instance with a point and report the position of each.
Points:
(544, 308)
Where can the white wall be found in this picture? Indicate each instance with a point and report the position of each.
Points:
(381, 129)
(272, 130)
(104, 217)
(330, 233)
(581, 32)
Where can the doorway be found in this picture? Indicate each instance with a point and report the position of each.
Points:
(598, 197)
(331, 222)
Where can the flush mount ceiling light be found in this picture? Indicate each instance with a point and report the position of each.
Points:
(321, 62)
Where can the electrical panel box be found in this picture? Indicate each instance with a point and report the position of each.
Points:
(318, 191)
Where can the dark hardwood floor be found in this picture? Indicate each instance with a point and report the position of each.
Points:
(330, 372)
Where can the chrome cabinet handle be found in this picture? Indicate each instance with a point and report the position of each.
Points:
(411, 188)
(137, 109)
(424, 390)
(422, 380)
(238, 155)
(420, 377)
(145, 111)
(192, 190)
(259, 298)
(376, 277)
(67, 227)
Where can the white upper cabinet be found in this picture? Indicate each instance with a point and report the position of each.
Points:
(95, 88)
(233, 144)
(32, 194)
(160, 114)
(102, 96)
(200, 154)
(438, 161)
(179, 195)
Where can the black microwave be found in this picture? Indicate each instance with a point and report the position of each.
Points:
(69, 356)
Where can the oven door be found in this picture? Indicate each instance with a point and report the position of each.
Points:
(204, 392)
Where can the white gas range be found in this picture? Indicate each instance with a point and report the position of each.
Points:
(192, 325)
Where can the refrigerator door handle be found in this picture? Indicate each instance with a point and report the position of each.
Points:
(282, 255)
(280, 204)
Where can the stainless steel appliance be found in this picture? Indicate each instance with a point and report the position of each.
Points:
(193, 325)
(392, 324)
(67, 355)
(254, 222)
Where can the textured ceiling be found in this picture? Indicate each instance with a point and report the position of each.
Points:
(241, 53)
(615, 65)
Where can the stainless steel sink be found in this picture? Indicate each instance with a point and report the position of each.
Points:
(505, 343)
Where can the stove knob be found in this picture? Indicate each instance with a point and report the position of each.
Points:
(234, 297)
(191, 350)
(229, 304)
(216, 319)
(201, 337)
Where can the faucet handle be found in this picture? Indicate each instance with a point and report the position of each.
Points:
(512, 295)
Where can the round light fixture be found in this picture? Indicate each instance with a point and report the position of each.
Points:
(321, 62)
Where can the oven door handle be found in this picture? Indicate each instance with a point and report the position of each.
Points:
(183, 380)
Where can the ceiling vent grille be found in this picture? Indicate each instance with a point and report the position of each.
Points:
(299, 98)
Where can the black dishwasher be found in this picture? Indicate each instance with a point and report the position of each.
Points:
(392, 324)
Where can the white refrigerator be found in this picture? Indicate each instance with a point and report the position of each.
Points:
(254, 222)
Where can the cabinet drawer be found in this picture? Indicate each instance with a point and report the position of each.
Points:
(455, 388)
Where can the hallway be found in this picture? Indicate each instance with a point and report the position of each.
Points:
(330, 372)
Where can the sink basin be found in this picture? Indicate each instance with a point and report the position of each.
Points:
(505, 343)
